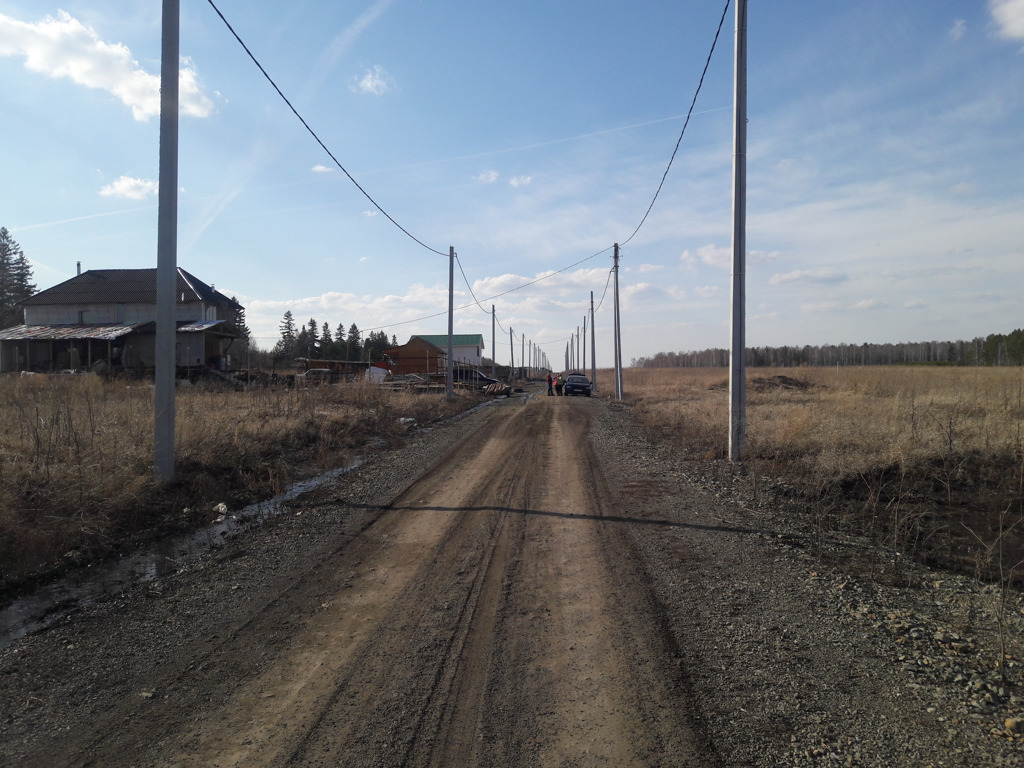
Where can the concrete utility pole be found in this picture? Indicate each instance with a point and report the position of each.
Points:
(737, 369)
(522, 356)
(583, 346)
(618, 334)
(511, 357)
(593, 346)
(494, 349)
(449, 378)
(166, 249)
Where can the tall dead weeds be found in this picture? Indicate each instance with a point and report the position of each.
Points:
(910, 456)
(76, 456)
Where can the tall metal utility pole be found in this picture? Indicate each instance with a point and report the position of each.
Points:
(593, 346)
(737, 351)
(166, 249)
(511, 357)
(618, 334)
(583, 346)
(494, 349)
(522, 356)
(449, 374)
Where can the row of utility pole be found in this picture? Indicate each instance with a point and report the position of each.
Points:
(575, 355)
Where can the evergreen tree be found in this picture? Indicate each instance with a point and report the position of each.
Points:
(325, 347)
(239, 321)
(375, 345)
(15, 279)
(354, 343)
(310, 345)
(285, 348)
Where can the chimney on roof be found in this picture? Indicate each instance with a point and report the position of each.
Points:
(79, 267)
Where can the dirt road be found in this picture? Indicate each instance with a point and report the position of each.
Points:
(489, 615)
(536, 584)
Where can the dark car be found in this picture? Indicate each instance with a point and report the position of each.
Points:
(472, 376)
(577, 384)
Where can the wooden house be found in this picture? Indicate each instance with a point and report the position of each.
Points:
(105, 319)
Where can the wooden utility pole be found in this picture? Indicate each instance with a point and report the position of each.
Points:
(166, 249)
(737, 352)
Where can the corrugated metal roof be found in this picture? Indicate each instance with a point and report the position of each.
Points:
(66, 332)
(105, 332)
(125, 286)
(206, 325)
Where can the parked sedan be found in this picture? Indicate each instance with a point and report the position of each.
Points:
(577, 384)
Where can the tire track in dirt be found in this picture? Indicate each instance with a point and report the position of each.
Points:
(490, 615)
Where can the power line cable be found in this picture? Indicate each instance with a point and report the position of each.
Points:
(317, 138)
(686, 123)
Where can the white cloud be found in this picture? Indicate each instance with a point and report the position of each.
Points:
(131, 188)
(822, 306)
(487, 177)
(817, 275)
(322, 169)
(708, 254)
(1009, 15)
(643, 269)
(707, 291)
(520, 181)
(959, 30)
(371, 213)
(62, 47)
(867, 304)
(374, 81)
(915, 304)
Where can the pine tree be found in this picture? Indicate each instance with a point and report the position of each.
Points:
(239, 321)
(15, 279)
(354, 344)
(285, 348)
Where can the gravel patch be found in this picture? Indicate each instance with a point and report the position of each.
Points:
(801, 648)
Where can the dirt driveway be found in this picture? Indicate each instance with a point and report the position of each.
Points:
(532, 585)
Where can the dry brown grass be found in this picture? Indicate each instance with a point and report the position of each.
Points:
(926, 458)
(76, 456)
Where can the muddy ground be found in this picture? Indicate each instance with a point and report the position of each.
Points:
(535, 584)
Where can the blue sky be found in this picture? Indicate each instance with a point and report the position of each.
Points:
(885, 162)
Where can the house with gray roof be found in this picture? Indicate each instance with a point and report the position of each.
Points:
(105, 319)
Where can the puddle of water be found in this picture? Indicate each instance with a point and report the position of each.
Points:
(85, 586)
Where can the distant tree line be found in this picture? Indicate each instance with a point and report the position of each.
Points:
(15, 280)
(994, 349)
(317, 341)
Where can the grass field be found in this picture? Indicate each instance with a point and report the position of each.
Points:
(928, 460)
(925, 460)
(76, 469)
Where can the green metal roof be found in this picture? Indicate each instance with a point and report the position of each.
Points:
(458, 339)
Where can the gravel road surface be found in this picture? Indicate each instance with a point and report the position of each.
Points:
(534, 584)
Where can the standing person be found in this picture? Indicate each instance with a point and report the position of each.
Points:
(559, 382)
(550, 383)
